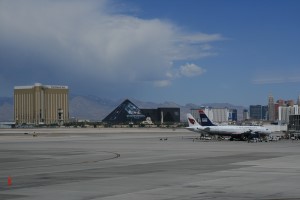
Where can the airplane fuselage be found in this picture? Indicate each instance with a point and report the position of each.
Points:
(230, 130)
(233, 131)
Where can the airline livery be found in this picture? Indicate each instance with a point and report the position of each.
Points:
(241, 132)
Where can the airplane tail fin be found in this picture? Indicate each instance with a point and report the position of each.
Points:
(191, 120)
(204, 120)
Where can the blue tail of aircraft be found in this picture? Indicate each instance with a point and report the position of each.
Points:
(204, 120)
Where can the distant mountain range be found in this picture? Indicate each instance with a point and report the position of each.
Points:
(6, 109)
(95, 108)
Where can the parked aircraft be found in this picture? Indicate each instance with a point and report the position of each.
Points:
(238, 132)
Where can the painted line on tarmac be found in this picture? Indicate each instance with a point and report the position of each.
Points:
(115, 156)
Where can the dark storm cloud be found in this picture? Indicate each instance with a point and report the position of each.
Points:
(83, 45)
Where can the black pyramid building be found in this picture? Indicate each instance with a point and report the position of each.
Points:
(126, 112)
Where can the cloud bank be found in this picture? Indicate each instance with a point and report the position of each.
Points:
(277, 77)
(91, 43)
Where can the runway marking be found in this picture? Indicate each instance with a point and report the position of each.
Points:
(116, 155)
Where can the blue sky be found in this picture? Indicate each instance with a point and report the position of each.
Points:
(194, 51)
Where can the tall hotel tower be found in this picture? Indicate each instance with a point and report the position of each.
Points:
(271, 108)
(41, 104)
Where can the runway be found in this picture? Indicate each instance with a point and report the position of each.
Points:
(134, 164)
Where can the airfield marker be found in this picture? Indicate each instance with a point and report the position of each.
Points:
(9, 181)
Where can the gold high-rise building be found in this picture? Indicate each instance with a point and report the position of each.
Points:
(41, 104)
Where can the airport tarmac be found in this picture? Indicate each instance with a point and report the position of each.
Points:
(150, 164)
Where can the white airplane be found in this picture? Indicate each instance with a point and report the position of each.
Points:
(240, 132)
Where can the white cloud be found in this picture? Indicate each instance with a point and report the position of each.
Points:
(201, 38)
(162, 83)
(90, 41)
(275, 80)
(190, 70)
(276, 77)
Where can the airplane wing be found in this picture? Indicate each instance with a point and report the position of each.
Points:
(205, 131)
(251, 132)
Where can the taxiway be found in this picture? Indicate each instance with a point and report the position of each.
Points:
(152, 164)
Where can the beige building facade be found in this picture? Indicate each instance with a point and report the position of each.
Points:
(41, 104)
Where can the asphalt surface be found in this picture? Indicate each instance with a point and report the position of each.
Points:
(164, 164)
